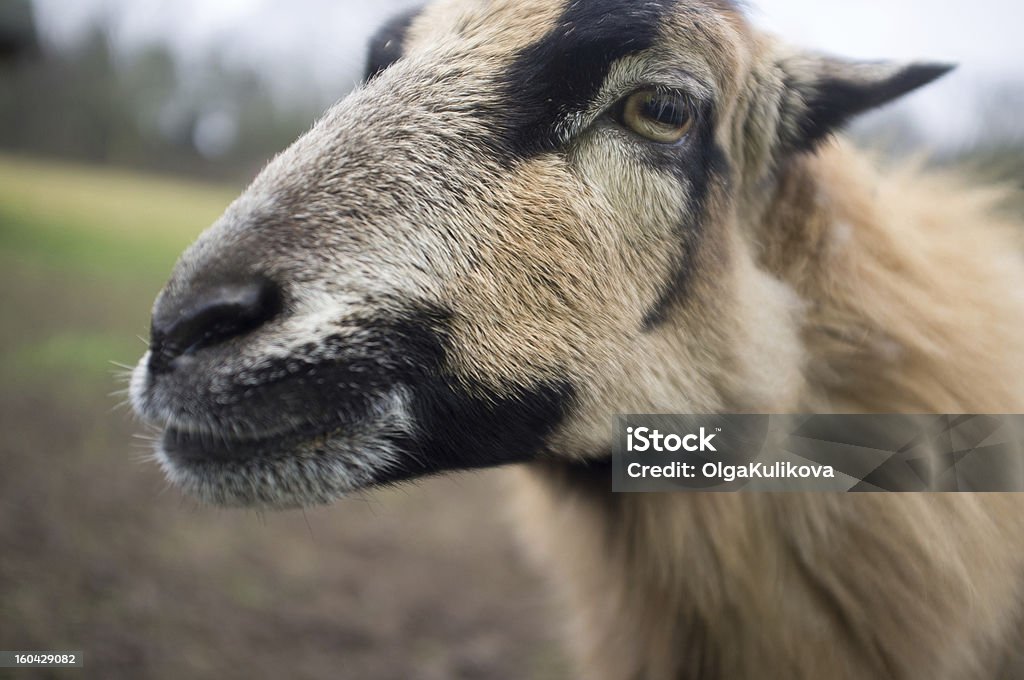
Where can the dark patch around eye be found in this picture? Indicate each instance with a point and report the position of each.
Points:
(701, 164)
(563, 72)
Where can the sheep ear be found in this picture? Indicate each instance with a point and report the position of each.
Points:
(823, 93)
(386, 44)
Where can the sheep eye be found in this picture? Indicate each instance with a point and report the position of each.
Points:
(659, 116)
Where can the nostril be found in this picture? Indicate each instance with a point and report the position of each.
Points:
(208, 317)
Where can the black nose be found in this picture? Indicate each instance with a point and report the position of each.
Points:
(208, 316)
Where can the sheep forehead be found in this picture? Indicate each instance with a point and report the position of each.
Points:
(495, 69)
(501, 26)
(497, 31)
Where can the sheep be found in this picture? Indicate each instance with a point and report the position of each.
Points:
(535, 214)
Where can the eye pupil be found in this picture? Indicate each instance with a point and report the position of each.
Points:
(666, 110)
(658, 115)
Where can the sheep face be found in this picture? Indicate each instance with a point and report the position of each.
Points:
(533, 215)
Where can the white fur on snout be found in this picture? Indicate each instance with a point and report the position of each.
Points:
(136, 383)
(317, 316)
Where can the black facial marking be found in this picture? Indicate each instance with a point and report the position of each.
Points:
(461, 425)
(561, 73)
(465, 430)
(702, 163)
(832, 102)
(386, 44)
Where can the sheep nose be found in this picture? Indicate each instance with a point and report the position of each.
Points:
(207, 317)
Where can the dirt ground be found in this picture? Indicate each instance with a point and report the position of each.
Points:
(96, 554)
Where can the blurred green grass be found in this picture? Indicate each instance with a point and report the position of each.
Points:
(84, 250)
(96, 220)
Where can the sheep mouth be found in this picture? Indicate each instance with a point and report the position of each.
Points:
(192, 447)
(311, 464)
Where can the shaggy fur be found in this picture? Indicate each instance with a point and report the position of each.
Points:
(897, 293)
(474, 261)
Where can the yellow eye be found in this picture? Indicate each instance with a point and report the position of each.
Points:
(659, 116)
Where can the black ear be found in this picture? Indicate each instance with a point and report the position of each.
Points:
(386, 44)
(824, 93)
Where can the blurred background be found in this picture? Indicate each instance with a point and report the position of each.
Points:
(126, 127)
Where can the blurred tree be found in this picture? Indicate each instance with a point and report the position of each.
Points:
(17, 29)
(88, 103)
